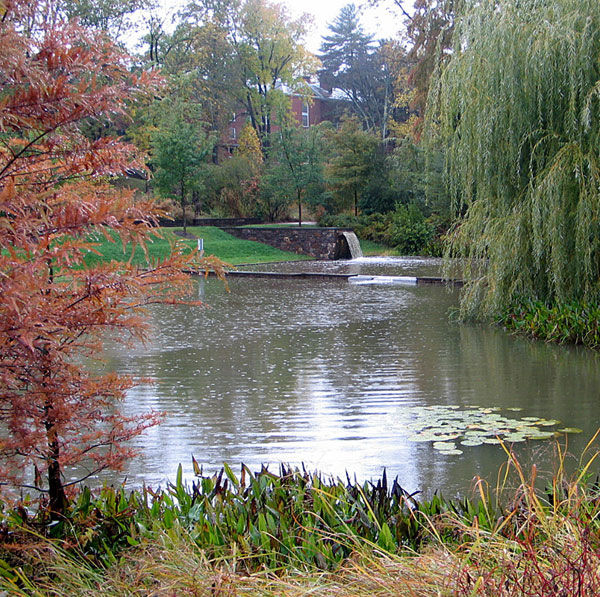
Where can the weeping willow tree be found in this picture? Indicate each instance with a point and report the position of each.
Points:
(517, 108)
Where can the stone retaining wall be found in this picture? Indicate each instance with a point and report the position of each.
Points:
(321, 243)
(218, 222)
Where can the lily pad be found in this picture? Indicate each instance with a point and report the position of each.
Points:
(473, 426)
(542, 435)
(443, 446)
(571, 430)
(471, 442)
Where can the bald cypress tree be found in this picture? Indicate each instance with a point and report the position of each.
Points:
(518, 109)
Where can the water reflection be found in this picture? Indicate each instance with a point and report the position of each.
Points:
(321, 372)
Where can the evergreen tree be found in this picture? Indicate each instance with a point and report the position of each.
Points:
(360, 69)
(344, 48)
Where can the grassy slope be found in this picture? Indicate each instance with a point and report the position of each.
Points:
(370, 248)
(216, 242)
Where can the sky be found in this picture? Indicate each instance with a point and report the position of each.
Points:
(384, 21)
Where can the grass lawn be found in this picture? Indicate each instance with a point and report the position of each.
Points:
(223, 245)
(370, 248)
(216, 242)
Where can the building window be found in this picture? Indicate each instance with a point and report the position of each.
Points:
(305, 115)
(233, 133)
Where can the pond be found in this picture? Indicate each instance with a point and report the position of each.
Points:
(334, 375)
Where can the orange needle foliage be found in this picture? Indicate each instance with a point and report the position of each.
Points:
(54, 309)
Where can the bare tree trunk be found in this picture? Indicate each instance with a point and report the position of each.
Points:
(183, 208)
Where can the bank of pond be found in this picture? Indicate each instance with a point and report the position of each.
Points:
(294, 532)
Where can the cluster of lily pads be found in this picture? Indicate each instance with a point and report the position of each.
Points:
(473, 426)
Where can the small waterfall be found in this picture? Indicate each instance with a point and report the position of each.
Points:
(353, 245)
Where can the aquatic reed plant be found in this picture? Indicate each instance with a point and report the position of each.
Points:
(545, 543)
(291, 521)
(575, 322)
(298, 533)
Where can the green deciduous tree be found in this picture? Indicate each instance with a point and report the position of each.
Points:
(296, 165)
(518, 108)
(198, 60)
(111, 16)
(351, 166)
(180, 147)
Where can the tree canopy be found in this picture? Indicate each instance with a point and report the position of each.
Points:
(267, 53)
(352, 162)
(518, 110)
(180, 146)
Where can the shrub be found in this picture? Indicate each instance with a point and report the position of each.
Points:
(411, 233)
(405, 229)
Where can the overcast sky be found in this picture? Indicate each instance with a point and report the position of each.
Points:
(384, 21)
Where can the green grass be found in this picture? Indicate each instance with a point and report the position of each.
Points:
(216, 242)
(237, 251)
(371, 248)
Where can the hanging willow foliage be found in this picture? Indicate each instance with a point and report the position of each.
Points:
(518, 109)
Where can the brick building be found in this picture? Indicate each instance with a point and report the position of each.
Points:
(322, 105)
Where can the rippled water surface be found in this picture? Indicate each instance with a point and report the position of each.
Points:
(321, 372)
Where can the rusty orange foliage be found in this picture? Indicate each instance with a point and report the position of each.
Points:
(54, 310)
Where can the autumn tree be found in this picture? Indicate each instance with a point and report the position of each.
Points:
(54, 200)
(430, 31)
(249, 145)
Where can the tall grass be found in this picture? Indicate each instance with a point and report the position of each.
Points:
(545, 544)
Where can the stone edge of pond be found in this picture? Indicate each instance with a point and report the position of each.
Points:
(427, 280)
